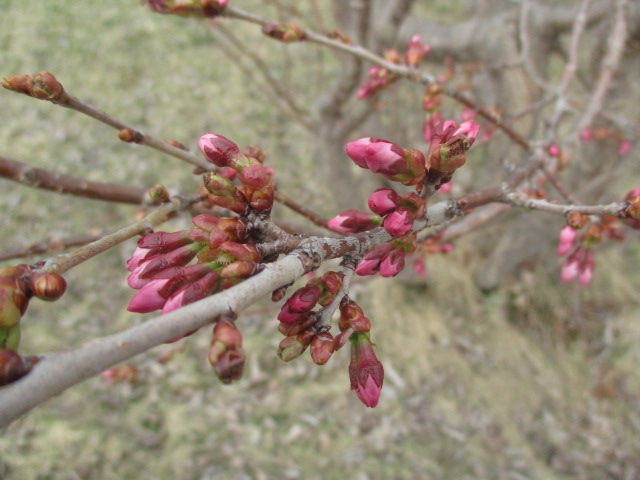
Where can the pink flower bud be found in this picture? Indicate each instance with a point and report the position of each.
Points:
(392, 263)
(147, 299)
(192, 292)
(365, 370)
(383, 201)
(218, 150)
(178, 257)
(570, 269)
(162, 242)
(553, 150)
(587, 266)
(567, 240)
(587, 135)
(48, 286)
(138, 255)
(416, 51)
(398, 222)
(377, 155)
(624, 147)
(370, 263)
(353, 221)
(304, 299)
(322, 348)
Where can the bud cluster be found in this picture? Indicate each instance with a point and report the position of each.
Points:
(580, 257)
(256, 191)
(226, 354)
(387, 259)
(381, 78)
(298, 320)
(398, 212)
(160, 271)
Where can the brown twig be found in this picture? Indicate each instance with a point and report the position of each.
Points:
(65, 261)
(56, 182)
(50, 245)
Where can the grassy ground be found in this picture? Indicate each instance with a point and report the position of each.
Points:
(536, 380)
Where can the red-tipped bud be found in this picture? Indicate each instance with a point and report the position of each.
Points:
(352, 317)
(353, 221)
(392, 263)
(254, 175)
(321, 348)
(260, 200)
(175, 258)
(218, 150)
(365, 370)
(279, 293)
(304, 299)
(416, 51)
(13, 366)
(304, 322)
(163, 242)
(17, 83)
(48, 286)
(198, 8)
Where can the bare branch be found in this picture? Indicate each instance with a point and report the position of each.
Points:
(56, 182)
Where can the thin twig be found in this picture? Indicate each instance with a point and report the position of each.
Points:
(56, 182)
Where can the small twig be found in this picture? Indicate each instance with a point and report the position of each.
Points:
(348, 269)
(56, 182)
(610, 64)
(519, 199)
(50, 245)
(65, 261)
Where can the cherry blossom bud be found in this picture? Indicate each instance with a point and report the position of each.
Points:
(377, 155)
(383, 201)
(138, 256)
(570, 269)
(370, 263)
(254, 175)
(17, 83)
(416, 51)
(162, 242)
(178, 257)
(198, 8)
(398, 222)
(279, 293)
(366, 373)
(239, 269)
(218, 149)
(392, 263)
(44, 86)
(587, 266)
(321, 348)
(192, 292)
(294, 346)
(577, 220)
(13, 366)
(624, 147)
(587, 135)
(331, 283)
(14, 294)
(304, 299)
(304, 322)
(48, 286)
(553, 150)
(287, 33)
(353, 221)
(129, 135)
(148, 298)
(352, 317)
(567, 240)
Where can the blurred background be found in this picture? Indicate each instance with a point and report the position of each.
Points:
(494, 368)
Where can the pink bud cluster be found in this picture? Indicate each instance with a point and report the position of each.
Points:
(160, 271)
(398, 212)
(387, 259)
(381, 78)
(579, 263)
(298, 320)
(256, 191)
(198, 8)
(449, 144)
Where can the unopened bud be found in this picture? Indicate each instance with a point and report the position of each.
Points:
(48, 286)
(130, 136)
(322, 348)
(44, 86)
(13, 366)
